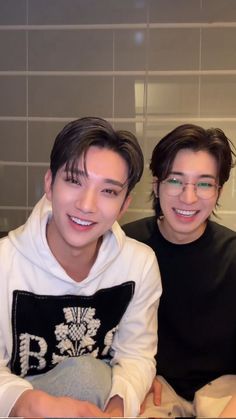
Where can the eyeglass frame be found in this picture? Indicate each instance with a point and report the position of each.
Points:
(184, 184)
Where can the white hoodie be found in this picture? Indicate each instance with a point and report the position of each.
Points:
(40, 307)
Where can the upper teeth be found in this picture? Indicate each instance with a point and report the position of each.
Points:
(82, 222)
(185, 212)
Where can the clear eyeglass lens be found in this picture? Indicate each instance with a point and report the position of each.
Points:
(204, 190)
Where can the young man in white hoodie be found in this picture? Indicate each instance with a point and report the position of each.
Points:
(79, 299)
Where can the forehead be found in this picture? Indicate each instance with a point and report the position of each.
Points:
(195, 162)
(103, 163)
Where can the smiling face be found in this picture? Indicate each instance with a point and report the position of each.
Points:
(185, 215)
(85, 207)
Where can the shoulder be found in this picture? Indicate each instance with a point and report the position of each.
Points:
(7, 254)
(141, 229)
(221, 231)
(222, 239)
(140, 262)
(138, 246)
(140, 258)
(131, 248)
(5, 246)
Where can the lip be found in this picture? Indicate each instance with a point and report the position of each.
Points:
(80, 222)
(185, 216)
(185, 212)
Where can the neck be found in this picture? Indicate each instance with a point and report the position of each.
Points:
(77, 262)
(79, 266)
(177, 237)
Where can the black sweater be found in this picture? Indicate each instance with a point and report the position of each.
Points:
(197, 313)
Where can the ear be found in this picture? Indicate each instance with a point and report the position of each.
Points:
(125, 206)
(155, 186)
(219, 194)
(48, 184)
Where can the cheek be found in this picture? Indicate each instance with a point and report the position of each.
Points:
(209, 205)
(165, 200)
(59, 201)
(111, 209)
(63, 193)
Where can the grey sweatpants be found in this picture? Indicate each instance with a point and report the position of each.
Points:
(81, 378)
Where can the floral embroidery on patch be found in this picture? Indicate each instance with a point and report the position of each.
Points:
(75, 336)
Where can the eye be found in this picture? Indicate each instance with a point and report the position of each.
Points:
(74, 180)
(174, 181)
(110, 192)
(205, 185)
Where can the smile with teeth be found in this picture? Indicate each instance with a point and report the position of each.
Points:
(81, 222)
(185, 213)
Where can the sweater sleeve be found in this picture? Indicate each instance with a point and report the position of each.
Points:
(135, 343)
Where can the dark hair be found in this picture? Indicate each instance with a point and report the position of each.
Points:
(193, 137)
(79, 135)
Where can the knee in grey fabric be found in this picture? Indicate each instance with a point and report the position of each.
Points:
(82, 378)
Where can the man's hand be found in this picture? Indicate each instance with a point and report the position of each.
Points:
(230, 409)
(36, 403)
(156, 390)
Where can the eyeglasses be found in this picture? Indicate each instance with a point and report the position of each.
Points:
(174, 186)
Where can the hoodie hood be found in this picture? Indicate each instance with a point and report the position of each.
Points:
(30, 240)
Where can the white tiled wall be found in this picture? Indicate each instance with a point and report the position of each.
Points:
(145, 65)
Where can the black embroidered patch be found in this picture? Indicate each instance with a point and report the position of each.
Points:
(48, 329)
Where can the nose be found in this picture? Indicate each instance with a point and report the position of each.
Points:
(86, 201)
(188, 195)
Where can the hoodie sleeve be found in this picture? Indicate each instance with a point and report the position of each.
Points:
(135, 343)
(11, 387)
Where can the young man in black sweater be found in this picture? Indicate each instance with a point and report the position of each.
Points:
(196, 359)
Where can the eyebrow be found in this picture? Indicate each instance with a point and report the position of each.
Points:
(78, 172)
(184, 174)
